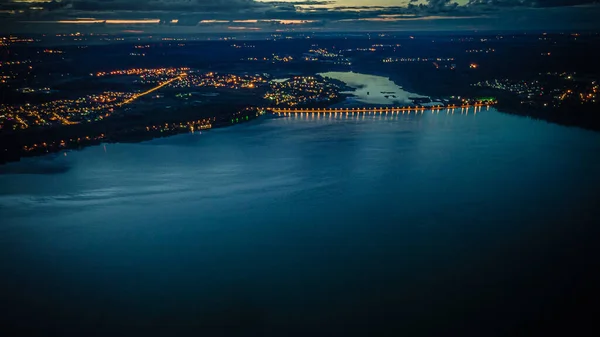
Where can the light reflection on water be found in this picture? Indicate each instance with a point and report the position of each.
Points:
(373, 89)
(375, 113)
(290, 221)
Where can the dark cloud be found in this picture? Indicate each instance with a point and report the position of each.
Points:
(530, 3)
(237, 6)
(441, 3)
(434, 6)
(164, 5)
(155, 5)
(189, 12)
(139, 5)
(501, 3)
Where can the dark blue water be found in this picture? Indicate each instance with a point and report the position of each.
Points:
(429, 225)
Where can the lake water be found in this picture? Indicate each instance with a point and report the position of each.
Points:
(372, 89)
(435, 224)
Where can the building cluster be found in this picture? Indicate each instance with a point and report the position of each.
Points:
(8, 40)
(274, 58)
(53, 146)
(385, 45)
(53, 51)
(12, 71)
(14, 63)
(217, 80)
(195, 125)
(243, 45)
(322, 52)
(373, 48)
(582, 94)
(479, 51)
(549, 90)
(45, 147)
(300, 90)
(325, 56)
(157, 73)
(417, 59)
(370, 49)
(96, 107)
(313, 55)
(524, 89)
(28, 90)
(139, 131)
(281, 58)
(62, 112)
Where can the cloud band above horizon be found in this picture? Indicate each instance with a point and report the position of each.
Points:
(187, 15)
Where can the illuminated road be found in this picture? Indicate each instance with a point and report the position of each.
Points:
(136, 96)
(21, 121)
(63, 120)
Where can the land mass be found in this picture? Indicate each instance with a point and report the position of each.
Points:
(56, 95)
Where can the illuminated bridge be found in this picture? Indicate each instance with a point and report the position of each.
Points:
(403, 109)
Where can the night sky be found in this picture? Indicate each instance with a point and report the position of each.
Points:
(181, 16)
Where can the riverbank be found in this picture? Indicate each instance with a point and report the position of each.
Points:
(434, 83)
(130, 128)
(41, 142)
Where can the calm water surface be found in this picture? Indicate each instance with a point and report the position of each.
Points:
(432, 224)
(372, 89)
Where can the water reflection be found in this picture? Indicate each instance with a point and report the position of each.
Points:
(372, 89)
(303, 217)
(374, 114)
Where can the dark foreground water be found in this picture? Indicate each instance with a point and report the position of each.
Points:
(428, 225)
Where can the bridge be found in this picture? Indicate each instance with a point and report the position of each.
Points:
(376, 109)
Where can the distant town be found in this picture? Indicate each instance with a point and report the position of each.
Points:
(57, 95)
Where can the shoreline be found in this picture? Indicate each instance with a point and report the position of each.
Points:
(142, 134)
(133, 135)
(508, 103)
(41, 142)
(162, 131)
(46, 141)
